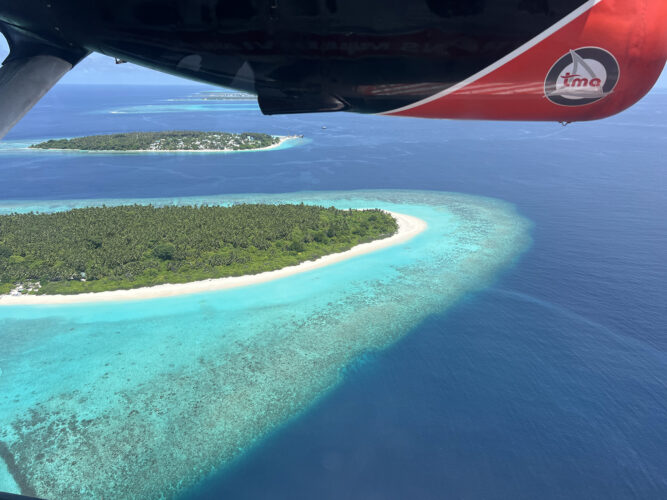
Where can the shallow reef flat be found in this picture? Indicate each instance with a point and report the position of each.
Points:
(147, 398)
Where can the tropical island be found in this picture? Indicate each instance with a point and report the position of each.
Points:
(167, 141)
(100, 249)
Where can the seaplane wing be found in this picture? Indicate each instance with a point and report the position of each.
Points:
(560, 60)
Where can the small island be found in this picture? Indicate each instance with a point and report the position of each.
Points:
(173, 141)
(226, 96)
(100, 249)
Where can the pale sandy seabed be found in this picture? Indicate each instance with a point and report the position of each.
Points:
(146, 398)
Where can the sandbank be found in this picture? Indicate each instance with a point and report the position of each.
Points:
(408, 228)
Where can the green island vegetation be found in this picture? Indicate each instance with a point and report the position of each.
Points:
(110, 248)
(164, 141)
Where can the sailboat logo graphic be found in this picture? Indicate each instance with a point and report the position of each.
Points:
(582, 76)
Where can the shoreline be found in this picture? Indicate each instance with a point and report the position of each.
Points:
(408, 227)
(283, 139)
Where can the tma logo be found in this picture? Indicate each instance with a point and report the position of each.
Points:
(582, 76)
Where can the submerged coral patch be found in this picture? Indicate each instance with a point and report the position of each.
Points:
(147, 398)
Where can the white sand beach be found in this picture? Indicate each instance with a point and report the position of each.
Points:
(408, 227)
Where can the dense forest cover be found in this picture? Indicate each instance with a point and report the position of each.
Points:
(164, 141)
(109, 248)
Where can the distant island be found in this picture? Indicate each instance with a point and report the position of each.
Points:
(167, 141)
(226, 96)
(100, 249)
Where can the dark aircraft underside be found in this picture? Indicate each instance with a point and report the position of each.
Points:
(561, 60)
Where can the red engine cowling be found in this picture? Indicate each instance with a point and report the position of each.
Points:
(598, 61)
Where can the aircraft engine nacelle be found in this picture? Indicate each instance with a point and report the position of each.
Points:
(597, 61)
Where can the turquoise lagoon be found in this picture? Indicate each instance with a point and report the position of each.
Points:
(147, 398)
(188, 107)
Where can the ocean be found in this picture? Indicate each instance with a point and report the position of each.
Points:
(536, 371)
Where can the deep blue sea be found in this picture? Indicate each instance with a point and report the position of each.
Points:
(549, 383)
